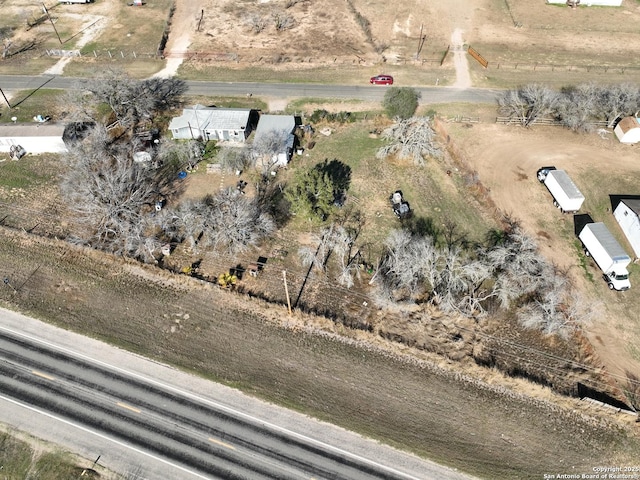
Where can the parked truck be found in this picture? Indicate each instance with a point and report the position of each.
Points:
(74, 1)
(566, 195)
(601, 245)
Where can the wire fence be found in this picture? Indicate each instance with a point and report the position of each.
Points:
(571, 68)
(234, 57)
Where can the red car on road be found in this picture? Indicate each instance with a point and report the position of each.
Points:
(381, 80)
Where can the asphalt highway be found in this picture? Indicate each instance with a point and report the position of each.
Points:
(165, 428)
(202, 437)
(429, 95)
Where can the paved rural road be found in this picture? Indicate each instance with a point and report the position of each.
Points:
(138, 415)
(429, 95)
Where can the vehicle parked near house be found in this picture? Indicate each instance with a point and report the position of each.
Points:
(607, 253)
(400, 207)
(381, 80)
(566, 195)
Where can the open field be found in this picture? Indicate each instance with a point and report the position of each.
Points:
(336, 41)
(507, 158)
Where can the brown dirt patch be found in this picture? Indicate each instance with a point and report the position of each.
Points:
(506, 159)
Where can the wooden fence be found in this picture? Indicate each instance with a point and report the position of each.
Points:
(545, 121)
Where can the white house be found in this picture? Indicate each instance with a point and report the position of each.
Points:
(212, 123)
(282, 126)
(628, 130)
(33, 137)
(627, 213)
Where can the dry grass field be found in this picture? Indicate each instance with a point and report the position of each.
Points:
(337, 41)
(379, 388)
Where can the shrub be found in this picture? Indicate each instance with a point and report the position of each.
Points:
(401, 102)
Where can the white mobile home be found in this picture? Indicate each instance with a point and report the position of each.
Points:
(212, 123)
(627, 213)
(33, 137)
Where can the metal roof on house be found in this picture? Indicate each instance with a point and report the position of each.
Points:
(202, 118)
(268, 123)
(633, 204)
(17, 130)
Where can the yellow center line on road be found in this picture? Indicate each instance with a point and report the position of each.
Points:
(128, 407)
(218, 442)
(43, 375)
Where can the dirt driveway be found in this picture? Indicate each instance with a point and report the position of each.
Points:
(506, 159)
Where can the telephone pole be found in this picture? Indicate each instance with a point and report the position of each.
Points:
(54, 27)
(286, 290)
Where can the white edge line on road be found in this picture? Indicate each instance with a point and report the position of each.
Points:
(228, 409)
(100, 435)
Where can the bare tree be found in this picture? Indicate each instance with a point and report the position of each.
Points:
(516, 264)
(526, 104)
(111, 195)
(180, 155)
(408, 269)
(575, 107)
(233, 222)
(618, 100)
(411, 138)
(266, 148)
(132, 101)
(546, 311)
(256, 22)
(458, 283)
(183, 224)
(335, 241)
(282, 20)
(6, 47)
(236, 158)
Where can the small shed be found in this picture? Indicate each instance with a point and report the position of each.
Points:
(279, 123)
(33, 137)
(628, 130)
(627, 213)
(212, 123)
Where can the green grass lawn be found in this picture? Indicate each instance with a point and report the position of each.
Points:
(25, 104)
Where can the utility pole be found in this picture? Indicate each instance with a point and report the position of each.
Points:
(54, 27)
(286, 290)
(200, 21)
(421, 41)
